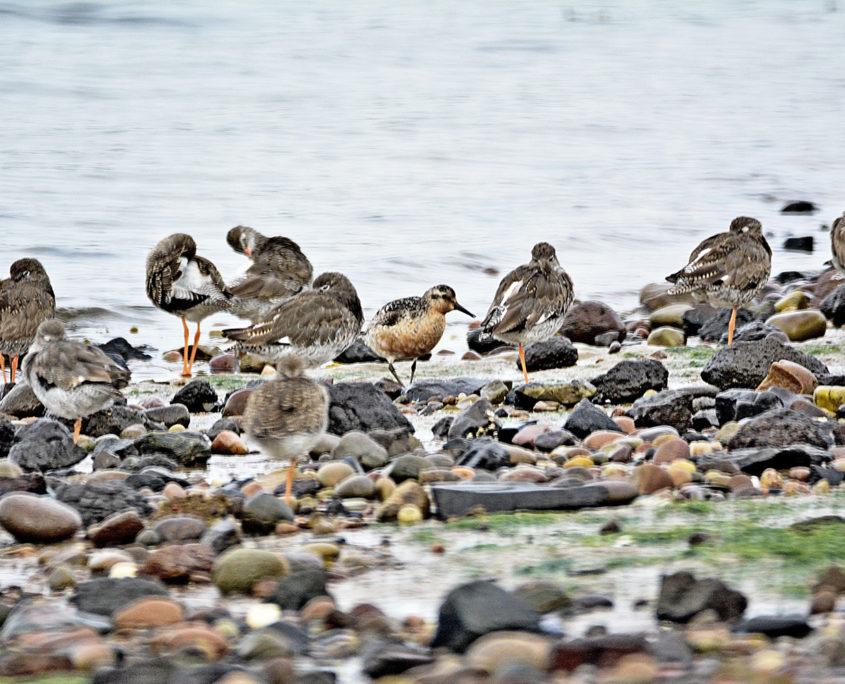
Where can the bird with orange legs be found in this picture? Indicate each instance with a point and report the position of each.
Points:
(26, 299)
(285, 417)
(185, 285)
(72, 379)
(530, 302)
(727, 269)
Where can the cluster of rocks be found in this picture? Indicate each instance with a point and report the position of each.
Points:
(122, 542)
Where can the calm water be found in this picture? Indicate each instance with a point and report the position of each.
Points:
(410, 143)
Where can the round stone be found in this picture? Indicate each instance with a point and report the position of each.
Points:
(38, 519)
(238, 569)
(332, 473)
(148, 612)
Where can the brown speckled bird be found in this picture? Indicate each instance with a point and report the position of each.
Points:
(315, 325)
(26, 300)
(530, 302)
(71, 379)
(727, 269)
(837, 245)
(405, 329)
(279, 271)
(185, 285)
(286, 416)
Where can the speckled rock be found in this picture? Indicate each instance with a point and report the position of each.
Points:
(362, 406)
(556, 352)
(104, 596)
(476, 421)
(38, 518)
(45, 445)
(96, 501)
(188, 449)
(180, 528)
(629, 379)
(568, 394)
(586, 418)
(179, 563)
(777, 427)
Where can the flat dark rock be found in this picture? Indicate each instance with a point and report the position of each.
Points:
(422, 390)
(45, 445)
(669, 407)
(682, 597)
(774, 626)
(755, 460)
(586, 418)
(456, 499)
(556, 352)
(105, 595)
(779, 427)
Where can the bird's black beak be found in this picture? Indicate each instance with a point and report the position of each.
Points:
(458, 307)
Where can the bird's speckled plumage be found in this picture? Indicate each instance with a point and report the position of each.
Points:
(727, 269)
(315, 325)
(531, 300)
(286, 416)
(26, 300)
(405, 329)
(182, 283)
(71, 379)
(279, 271)
(837, 244)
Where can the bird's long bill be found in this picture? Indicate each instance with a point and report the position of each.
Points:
(248, 252)
(458, 307)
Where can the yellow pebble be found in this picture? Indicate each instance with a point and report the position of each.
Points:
(683, 464)
(123, 569)
(409, 514)
(579, 462)
(177, 427)
(263, 614)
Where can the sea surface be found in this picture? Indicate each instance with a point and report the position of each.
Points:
(411, 143)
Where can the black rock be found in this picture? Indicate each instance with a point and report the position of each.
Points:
(629, 379)
(556, 352)
(103, 596)
(717, 324)
(586, 418)
(150, 475)
(697, 316)
(114, 419)
(455, 499)
(669, 407)
(779, 427)
(736, 403)
(833, 306)
(703, 419)
(198, 396)
(682, 597)
(222, 535)
(362, 406)
(485, 454)
(188, 449)
(421, 390)
(774, 626)
(799, 244)
(295, 590)
(799, 207)
(7, 436)
(175, 414)
(476, 421)
(392, 658)
(483, 344)
(440, 430)
(20, 401)
(45, 445)
(549, 441)
(746, 364)
(754, 461)
(223, 424)
(832, 475)
(262, 512)
(477, 608)
(754, 331)
(123, 349)
(358, 352)
(390, 387)
(96, 501)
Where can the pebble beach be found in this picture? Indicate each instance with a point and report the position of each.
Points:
(638, 512)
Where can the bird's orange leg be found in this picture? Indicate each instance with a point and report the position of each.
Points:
(3, 367)
(14, 366)
(77, 428)
(522, 360)
(289, 481)
(731, 327)
(194, 350)
(185, 371)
